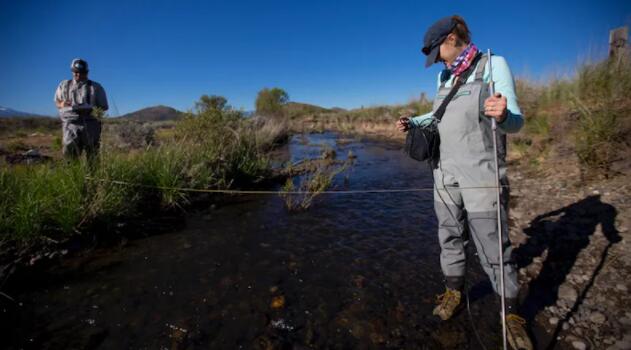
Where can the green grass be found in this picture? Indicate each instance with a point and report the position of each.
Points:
(41, 198)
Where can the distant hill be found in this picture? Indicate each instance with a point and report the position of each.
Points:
(152, 114)
(299, 109)
(6, 112)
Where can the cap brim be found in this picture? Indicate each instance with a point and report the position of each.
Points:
(431, 58)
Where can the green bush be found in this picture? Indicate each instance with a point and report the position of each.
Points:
(212, 102)
(270, 102)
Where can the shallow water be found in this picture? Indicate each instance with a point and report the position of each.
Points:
(354, 271)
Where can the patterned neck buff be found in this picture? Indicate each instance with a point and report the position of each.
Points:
(461, 63)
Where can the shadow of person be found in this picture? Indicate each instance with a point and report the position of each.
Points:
(563, 233)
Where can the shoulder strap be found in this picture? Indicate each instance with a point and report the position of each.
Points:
(479, 74)
(461, 80)
(68, 82)
(88, 85)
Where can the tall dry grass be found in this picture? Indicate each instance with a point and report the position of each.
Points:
(589, 114)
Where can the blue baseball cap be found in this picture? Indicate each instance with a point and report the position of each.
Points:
(434, 36)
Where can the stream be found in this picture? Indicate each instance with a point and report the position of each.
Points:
(354, 271)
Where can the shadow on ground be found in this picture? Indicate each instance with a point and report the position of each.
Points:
(564, 233)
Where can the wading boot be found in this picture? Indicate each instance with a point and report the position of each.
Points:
(449, 303)
(516, 331)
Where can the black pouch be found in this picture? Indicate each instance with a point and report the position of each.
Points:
(423, 144)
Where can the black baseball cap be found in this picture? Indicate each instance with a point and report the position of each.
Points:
(79, 65)
(434, 36)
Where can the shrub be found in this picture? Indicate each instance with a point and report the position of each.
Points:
(603, 107)
(269, 102)
(129, 134)
(212, 102)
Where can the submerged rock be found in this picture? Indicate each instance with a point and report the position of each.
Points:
(568, 293)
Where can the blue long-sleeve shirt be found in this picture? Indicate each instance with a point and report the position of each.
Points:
(504, 84)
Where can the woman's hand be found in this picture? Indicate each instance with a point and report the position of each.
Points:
(403, 124)
(495, 107)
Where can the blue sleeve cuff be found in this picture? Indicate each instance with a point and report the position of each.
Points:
(421, 120)
(512, 123)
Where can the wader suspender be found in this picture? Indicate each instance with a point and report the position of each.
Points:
(68, 89)
(461, 80)
(88, 86)
(89, 93)
(480, 72)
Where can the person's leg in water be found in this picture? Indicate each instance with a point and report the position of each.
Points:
(483, 228)
(450, 213)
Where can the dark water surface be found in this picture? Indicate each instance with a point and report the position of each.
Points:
(356, 271)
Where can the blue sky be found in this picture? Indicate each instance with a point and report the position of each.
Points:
(331, 53)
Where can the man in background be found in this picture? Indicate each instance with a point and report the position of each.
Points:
(80, 102)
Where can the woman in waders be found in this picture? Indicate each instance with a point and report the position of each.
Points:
(467, 163)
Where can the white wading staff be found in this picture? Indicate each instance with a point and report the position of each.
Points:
(498, 205)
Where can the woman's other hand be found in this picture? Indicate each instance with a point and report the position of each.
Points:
(495, 107)
(403, 124)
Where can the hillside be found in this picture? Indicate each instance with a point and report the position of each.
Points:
(151, 114)
(297, 109)
(6, 112)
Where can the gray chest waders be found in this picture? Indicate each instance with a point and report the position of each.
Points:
(85, 138)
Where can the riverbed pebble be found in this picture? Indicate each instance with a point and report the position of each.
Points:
(579, 345)
(597, 317)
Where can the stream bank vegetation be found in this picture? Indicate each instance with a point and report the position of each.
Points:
(584, 121)
(214, 147)
(317, 177)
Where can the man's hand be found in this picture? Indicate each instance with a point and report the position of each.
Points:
(62, 104)
(495, 107)
(403, 124)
